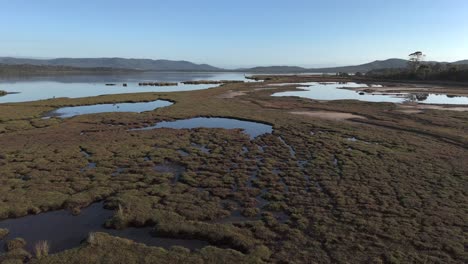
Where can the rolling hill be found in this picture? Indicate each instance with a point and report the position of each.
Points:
(464, 62)
(121, 63)
(169, 65)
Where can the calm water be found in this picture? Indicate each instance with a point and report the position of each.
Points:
(67, 112)
(332, 91)
(253, 129)
(64, 231)
(38, 88)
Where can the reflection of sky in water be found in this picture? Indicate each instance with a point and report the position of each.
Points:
(444, 99)
(64, 231)
(46, 87)
(66, 112)
(331, 91)
(253, 129)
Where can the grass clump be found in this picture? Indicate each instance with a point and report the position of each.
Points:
(220, 235)
(41, 249)
(3, 233)
(16, 243)
(109, 249)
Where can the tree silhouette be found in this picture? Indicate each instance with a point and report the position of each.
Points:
(415, 59)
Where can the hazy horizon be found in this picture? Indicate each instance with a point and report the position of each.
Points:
(238, 34)
(226, 67)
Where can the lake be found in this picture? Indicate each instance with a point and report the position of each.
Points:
(46, 87)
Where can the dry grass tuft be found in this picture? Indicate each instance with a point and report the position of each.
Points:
(42, 249)
(92, 238)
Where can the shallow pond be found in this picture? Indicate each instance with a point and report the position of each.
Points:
(253, 129)
(64, 231)
(67, 112)
(332, 91)
(46, 87)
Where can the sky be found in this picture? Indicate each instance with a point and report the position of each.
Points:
(236, 33)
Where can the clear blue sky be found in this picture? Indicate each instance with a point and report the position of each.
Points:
(236, 33)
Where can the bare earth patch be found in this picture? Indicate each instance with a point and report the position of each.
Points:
(415, 109)
(231, 94)
(410, 111)
(338, 116)
(265, 88)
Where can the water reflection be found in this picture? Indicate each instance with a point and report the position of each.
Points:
(332, 91)
(253, 129)
(437, 99)
(46, 87)
(67, 112)
(64, 231)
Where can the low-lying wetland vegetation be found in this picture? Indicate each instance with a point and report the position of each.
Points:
(378, 186)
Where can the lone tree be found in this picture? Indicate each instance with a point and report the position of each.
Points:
(415, 59)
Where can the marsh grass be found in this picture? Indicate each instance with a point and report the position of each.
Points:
(91, 239)
(3, 233)
(392, 190)
(14, 244)
(120, 212)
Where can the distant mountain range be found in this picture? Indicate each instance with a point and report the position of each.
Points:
(168, 65)
(28, 69)
(121, 63)
(390, 63)
(461, 62)
(379, 64)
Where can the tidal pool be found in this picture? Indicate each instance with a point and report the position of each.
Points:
(253, 129)
(333, 91)
(47, 87)
(64, 231)
(67, 112)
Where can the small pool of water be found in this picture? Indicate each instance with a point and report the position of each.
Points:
(332, 91)
(67, 112)
(437, 99)
(64, 231)
(253, 129)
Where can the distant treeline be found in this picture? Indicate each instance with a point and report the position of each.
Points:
(26, 69)
(427, 71)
